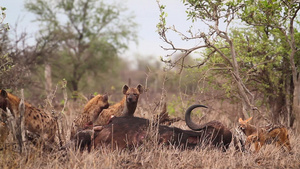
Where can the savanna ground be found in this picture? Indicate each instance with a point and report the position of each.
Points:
(152, 155)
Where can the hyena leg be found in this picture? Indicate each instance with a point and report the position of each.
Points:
(287, 144)
(282, 141)
(258, 146)
(248, 143)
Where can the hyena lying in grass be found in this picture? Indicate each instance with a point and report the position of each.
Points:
(128, 132)
(264, 135)
(36, 120)
(126, 107)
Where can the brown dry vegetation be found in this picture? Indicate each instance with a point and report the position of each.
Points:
(151, 155)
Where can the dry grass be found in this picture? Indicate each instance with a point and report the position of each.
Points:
(151, 155)
(154, 156)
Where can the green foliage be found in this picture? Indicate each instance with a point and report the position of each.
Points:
(174, 107)
(89, 35)
(195, 7)
(268, 13)
(171, 108)
(6, 63)
(162, 16)
(3, 26)
(260, 61)
(255, 56)
(6, 66)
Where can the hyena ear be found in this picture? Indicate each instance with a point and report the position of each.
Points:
(125, 88)
(4, 93)
(140, 88)
(241, 120)
(90, 97)
(105, 98)
(248, 120)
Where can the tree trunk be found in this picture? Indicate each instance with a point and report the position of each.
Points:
(48, 84)
(74, 84)
(247, 97)
(279, 110)
(296, 104)
(244, 110)
(295, 71)
(289, 100)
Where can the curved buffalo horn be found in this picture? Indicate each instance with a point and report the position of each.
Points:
(188, 120)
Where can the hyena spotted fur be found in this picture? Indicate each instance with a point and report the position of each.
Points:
(36, 120)
(90, 113)
(126, 107)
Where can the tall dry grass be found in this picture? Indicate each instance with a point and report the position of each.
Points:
(154, 156)
(150, 154)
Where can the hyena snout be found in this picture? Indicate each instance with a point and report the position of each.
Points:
(242, 127)
(131, 98)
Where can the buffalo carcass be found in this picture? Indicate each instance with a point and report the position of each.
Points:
(220, 134)
(127, 132)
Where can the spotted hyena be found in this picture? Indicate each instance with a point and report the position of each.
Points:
(90, 113)
(126, 107)
(37, 121)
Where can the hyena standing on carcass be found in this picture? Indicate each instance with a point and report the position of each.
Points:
(86, 121)
(126, 107)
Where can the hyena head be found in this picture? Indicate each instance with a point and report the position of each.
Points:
(243, 124)
(95, 106)
(132, 94)
(3, 100)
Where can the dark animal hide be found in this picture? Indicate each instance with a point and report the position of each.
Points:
(127, 132)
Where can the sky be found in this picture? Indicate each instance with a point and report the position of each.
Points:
(146, 16)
